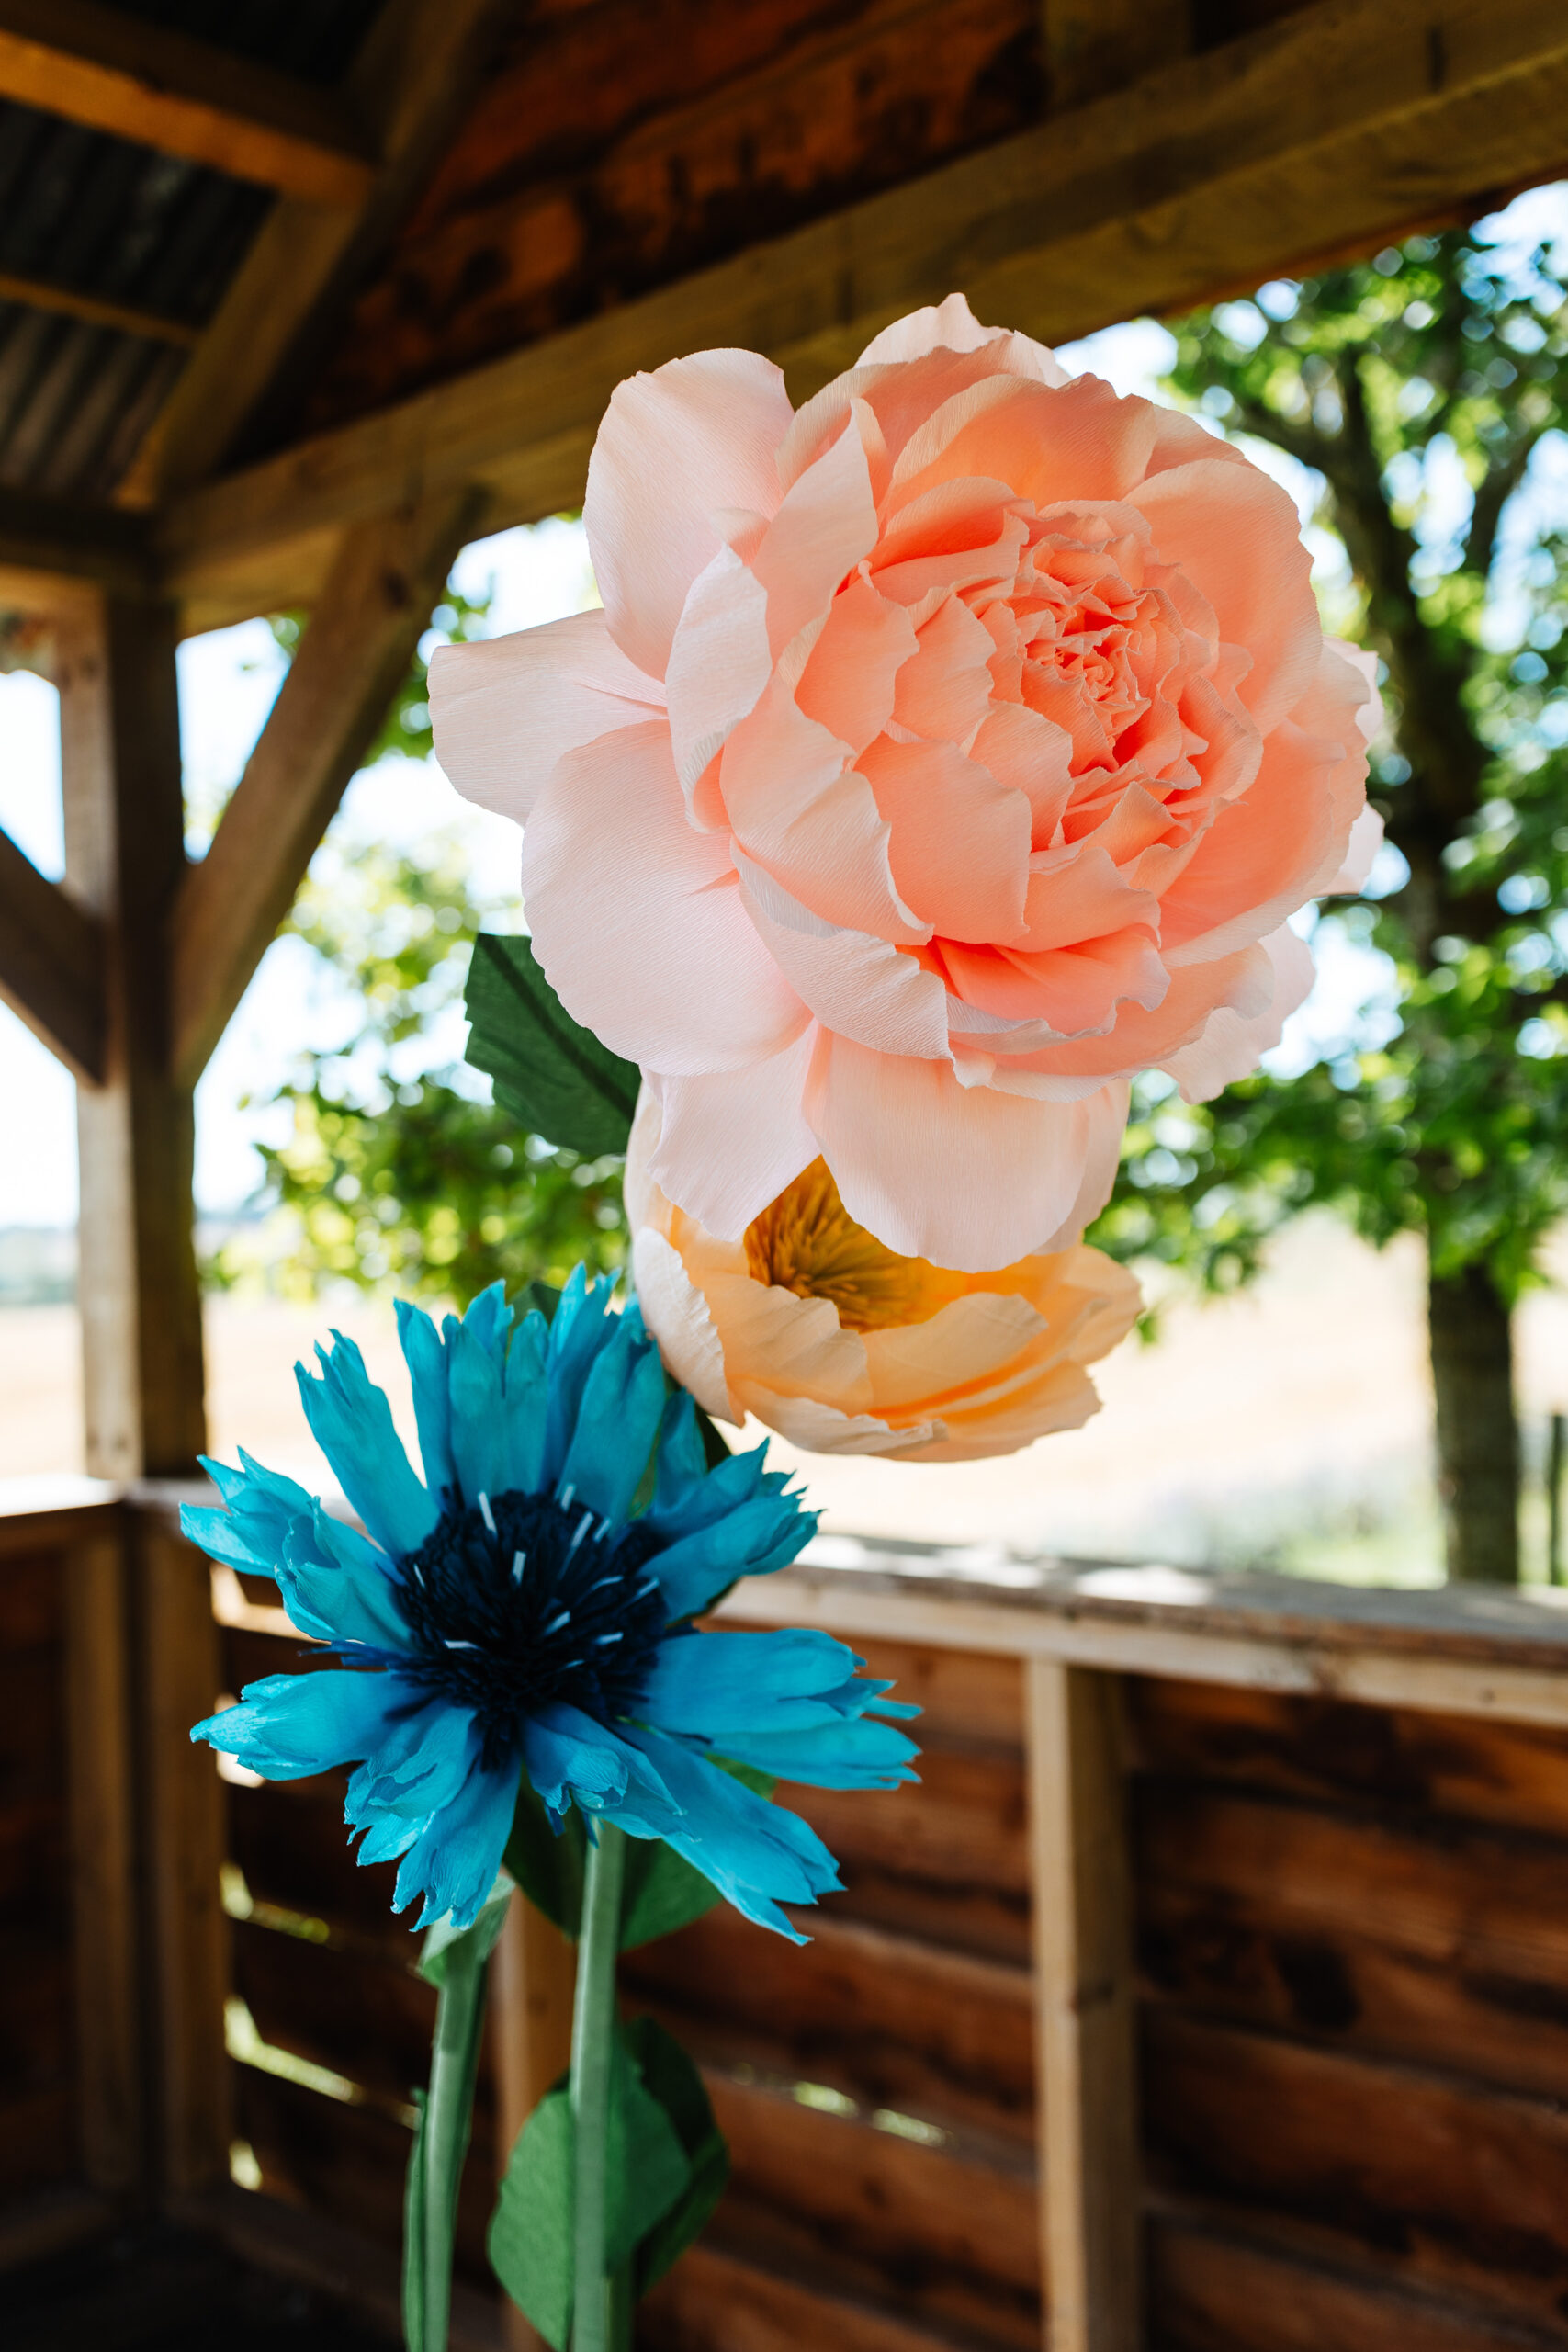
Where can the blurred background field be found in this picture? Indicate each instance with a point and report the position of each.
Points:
(1288, 1426)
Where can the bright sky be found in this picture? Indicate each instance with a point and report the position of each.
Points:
(227, 682)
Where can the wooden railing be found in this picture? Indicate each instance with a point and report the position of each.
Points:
(1264, 1884)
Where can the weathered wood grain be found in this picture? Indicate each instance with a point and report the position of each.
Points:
(716, 2301)
(1088, 2171)
(1453, 2187)
(523, 242)
(1433, 1943)
(1389, 1759)
(940, 2233)
(1209, 2292)
(363, 2017)
(50, 963)
(895, 2023)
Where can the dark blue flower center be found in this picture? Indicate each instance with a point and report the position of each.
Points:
(524, 1599)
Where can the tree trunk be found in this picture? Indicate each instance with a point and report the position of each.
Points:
(1478, 1435)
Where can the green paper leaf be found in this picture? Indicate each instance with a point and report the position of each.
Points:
(548, 1867)
(662, 1893)
(670, 2077)
(552, 1075)
(530, 2239)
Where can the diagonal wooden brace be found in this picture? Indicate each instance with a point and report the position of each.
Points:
(51, 964)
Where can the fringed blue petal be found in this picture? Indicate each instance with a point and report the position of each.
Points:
(479, 1417)
(681, 1462)
(456, 1854)
(527, 1403)
(488, 1321)
(709, 1684)
(856, 1752)
(578, 1331)
(426, 1361)
(752, 1541)
(338, 1587)
(352, 1422)
(617, 1421)
(293, 1725)
(758, 1855)
(253, 1532)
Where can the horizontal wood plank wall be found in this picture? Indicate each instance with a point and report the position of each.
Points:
(1353, 1930)
(71, 2110)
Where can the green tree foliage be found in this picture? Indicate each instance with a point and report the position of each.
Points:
(1420, 387)
(398, 1174)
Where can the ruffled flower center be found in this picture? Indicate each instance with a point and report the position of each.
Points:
(525, 1599)
(807, 1242)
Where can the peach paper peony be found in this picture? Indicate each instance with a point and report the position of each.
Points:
(824, 1334)
(943, 754)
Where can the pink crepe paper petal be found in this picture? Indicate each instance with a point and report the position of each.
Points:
(718, 670)
(1360, 852)
(644, 939)
(1237, 534)
(854, 672)
(959, 844)
(969, 1178)
(504, 710)
(861, 985)
(696, 436)
(824, 527)
(728, 1144)
(676, 1313)
(1232, 1043)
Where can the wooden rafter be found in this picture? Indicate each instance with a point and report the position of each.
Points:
(124, 318)
(383, 587)
(51, 962)
(409, 84)
(58, 540)
(1352, 120)
(112, 71)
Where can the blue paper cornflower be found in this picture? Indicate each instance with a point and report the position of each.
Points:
(517, 1617)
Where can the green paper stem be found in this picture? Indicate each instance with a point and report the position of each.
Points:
(593, 2040)
(455, 1962)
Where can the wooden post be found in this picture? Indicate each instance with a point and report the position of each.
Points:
(1092, 45)
(140, 1312)
(1084, 1996)
(139, 1304)
(102, 1861)
(532, 1977)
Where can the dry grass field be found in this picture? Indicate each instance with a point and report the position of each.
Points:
(1289, 1424)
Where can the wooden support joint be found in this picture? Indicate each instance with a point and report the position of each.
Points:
(376, 606)
(1081, 1879)
(51, 964)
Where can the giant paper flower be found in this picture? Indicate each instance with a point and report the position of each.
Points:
(510, 1614)
(942, 755)
(825, 1335)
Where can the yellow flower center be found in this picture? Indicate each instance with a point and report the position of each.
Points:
(807, 1242)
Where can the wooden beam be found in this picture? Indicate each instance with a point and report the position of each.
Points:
(139, 1304)
(111, 72)
(123, 317)
(1337, 124)
(1080, 1884)
(420, 62)
(51, 964)
(103, 1859)
(60, 540)
(1092, 45)
(387, 581)
(179, 1678)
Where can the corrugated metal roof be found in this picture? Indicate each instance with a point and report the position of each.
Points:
(104, 218)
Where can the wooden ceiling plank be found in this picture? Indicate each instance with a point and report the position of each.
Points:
(1348, 120)
(376, 606)
(123, 317)
(408, 85)
(96, 66)
(51, 964)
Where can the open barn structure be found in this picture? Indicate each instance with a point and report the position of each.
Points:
(1212, 1991)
